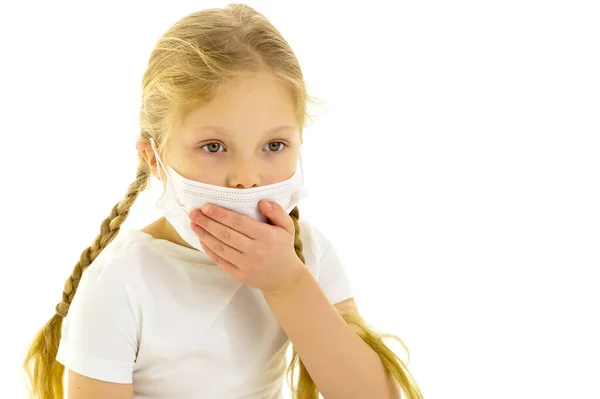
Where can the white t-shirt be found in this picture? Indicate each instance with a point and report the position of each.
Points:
(167, 319)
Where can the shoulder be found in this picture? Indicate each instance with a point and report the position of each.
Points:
(123, 256)
(111, 276)
(324, 263)
(114, 268)
(118, 260)
(315, 242)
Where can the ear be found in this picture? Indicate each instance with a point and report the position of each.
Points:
(145, 149)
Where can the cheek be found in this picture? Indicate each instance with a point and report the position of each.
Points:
(201, 168)
(209, 174)
(283, 169)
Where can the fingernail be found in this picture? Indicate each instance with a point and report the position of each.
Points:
(268, 205)
(207, 208)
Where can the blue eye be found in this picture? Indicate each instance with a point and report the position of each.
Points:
(213, 147)
(275, 146)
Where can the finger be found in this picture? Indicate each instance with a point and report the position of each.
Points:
(229, 267)
(226, 252)
(224, 233)
(277, 215)
(244, 224)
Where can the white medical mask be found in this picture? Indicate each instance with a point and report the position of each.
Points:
(183, 195)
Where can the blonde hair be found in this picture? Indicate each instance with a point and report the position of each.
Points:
(195, 57)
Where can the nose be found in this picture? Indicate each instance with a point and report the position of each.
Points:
(244, 175)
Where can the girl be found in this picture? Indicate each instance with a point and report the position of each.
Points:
(203, 302)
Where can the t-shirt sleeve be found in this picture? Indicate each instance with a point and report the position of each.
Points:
(100, 333)
(331, 273)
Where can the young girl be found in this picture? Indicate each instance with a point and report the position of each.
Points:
(203, 302)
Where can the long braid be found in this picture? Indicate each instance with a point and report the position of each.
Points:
(395, 368)
(306, 388)
(45, 374)
(108, 231)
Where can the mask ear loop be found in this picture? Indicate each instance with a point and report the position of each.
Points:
(158, 161)
(161, 168)
(164, 169)
(301, 168)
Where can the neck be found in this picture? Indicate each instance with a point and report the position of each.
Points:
(161, 229)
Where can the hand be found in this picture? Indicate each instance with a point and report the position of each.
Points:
(257, 254)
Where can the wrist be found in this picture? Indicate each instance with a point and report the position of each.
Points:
(301, 277)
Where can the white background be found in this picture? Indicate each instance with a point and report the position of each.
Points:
(455, 167)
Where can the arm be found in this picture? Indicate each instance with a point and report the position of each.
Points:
(340, 363)
(349, 306)
(82, 387)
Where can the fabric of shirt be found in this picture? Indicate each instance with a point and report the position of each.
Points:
(170, 321)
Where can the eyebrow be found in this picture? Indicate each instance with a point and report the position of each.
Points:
(222, 130)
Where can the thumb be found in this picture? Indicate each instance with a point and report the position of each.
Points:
(277, 215)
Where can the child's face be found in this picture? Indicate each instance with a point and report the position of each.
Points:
(244, 153)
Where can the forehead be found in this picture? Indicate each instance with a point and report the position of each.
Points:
(254, 103)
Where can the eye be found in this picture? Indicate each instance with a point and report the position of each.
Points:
(213, 147)
(275, 146)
